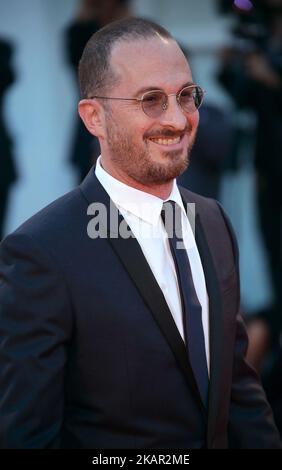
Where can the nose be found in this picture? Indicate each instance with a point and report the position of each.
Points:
(173, 116)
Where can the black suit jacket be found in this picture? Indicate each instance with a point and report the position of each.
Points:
(90, 356)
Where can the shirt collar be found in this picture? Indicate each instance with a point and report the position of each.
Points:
(143, 205)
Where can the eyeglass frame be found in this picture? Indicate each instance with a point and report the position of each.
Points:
(140, 100)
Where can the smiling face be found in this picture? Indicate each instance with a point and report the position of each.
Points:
(142, 151)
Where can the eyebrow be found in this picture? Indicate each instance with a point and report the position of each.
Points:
(143, 90)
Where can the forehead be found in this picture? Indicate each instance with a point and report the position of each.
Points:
(150, 62)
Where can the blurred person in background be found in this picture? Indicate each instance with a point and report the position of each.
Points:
(116, 331)
(251, 73)
(214, 143)
(92, 15)
(7, 166)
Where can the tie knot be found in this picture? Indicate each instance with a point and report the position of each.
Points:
(171, 217)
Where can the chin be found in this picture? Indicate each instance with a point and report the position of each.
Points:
(159, 174)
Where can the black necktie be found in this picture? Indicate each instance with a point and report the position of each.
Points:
(192, 310)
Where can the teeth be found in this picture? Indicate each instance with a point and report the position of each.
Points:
(176, 140)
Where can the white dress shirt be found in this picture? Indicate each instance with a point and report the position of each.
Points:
(142, 212)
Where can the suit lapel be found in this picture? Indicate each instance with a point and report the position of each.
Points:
(215, 317)
(131, 256)
(215, 323)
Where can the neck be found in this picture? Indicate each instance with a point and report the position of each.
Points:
(162, 190)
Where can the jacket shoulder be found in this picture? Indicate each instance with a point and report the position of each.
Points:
(57, 222)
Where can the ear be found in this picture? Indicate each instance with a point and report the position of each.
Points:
(92, 114)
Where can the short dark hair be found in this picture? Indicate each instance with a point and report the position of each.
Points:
(95, 74)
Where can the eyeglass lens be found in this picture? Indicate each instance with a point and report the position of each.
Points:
(154, 103)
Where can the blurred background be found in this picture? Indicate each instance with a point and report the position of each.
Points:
(235, 51)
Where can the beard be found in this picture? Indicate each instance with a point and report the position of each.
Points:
(136, 160)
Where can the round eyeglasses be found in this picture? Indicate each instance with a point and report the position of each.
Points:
(155, 102)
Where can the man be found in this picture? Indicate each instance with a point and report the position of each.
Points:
(96, 344)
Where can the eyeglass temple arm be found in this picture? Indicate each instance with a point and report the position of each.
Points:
(114, 98)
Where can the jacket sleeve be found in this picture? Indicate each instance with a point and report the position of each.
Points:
(35, 326)
(251, 423)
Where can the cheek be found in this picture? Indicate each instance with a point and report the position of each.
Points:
(143, 131)
(133, 126)
(193, 120)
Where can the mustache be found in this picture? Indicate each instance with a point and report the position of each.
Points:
(167, 133)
